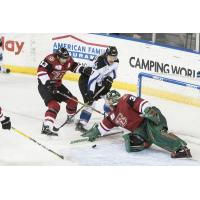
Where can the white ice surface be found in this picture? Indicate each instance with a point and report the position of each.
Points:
(20, 100)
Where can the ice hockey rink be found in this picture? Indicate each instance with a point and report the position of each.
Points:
(20, 100)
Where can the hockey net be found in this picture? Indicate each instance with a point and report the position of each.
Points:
(179, 100)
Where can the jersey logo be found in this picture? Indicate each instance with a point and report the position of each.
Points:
(58, 67)
(57, 75)
(121, 120)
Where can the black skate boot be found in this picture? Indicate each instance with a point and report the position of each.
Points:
(182, 153)
(80, 127)
(46, 130)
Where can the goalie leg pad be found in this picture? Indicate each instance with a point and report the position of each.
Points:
(135, 143)
(163, 139)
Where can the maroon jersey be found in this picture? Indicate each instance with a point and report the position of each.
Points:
(126, 114)
(51, 69)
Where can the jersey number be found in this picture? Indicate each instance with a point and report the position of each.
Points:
(44, 64)
(132, 98)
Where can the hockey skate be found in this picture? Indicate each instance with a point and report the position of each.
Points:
(46, 131)
(80, 127)
(70, 119)
(181, 153)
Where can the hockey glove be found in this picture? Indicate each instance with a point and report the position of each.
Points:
(152, 115)
(51, 87)
(107, 82)
(89, 97)
(6, 124)
(86, 70)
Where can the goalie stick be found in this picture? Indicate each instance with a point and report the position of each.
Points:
(87, 139)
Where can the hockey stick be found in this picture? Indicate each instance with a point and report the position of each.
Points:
(84, 104)
(87, 139)
(97, 93)
(23, 134)
(57, 129)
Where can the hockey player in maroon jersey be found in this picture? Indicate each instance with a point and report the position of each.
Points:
(5, 121)
(146, 124)
(50, 73)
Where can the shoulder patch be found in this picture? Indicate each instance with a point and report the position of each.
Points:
(51, 58)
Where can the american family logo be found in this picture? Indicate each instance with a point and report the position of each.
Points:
(78, 48)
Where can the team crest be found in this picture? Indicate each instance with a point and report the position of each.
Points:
(58, 67)
(121, 120)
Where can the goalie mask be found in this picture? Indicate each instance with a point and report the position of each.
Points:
(112, 98)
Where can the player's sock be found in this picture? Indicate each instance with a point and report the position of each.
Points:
(50, 116)
(85, 116)
(84, 119)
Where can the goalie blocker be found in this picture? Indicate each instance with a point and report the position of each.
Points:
(146, 123)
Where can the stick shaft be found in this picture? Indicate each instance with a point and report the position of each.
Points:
(30, 138)
(87, 139)
(84, 104)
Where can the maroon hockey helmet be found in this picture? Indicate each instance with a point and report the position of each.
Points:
(62, 52)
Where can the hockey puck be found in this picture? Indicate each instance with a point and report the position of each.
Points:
(93, 146)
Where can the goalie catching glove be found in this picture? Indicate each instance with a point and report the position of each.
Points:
(151, 114)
